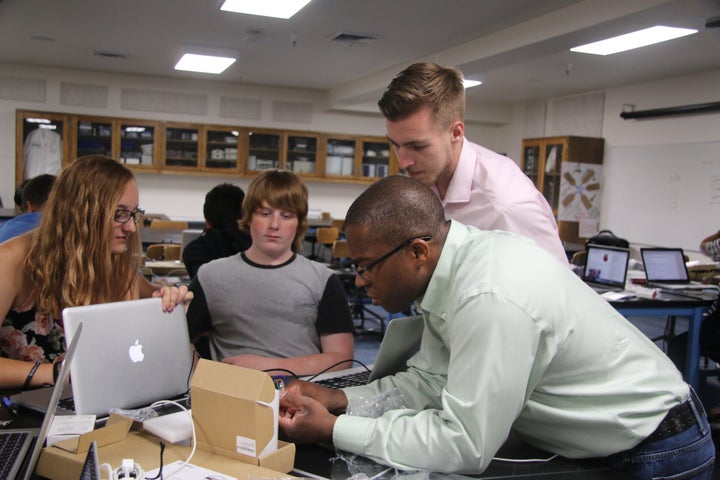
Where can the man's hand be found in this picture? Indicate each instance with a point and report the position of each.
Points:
(334, 400)
(304, 420)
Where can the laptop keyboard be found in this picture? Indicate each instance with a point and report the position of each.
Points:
(350, 380)
(163, 409)
(13, 446)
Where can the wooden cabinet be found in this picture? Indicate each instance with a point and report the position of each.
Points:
(566, 170)
(130, 141)
(192, 148)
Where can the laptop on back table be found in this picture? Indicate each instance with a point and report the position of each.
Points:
(606, 267)
(132, 354)
(665, 268)
(401, 341)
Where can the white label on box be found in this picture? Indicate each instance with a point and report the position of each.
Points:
(245, 446)
(188, 472)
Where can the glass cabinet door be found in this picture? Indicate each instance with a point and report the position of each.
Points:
(263, 151)
(340, 159)
(375, 159)
(221, 149)
(93, 137)
(302, 153)
(551, 174)
(181, 146)
(137, 143)
(531, 162)
(41, 144)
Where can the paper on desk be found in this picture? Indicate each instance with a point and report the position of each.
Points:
(68, 426)
(188, 472)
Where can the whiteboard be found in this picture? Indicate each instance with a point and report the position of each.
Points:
(665, 195)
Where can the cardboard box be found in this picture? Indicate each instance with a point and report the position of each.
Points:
(234, 425)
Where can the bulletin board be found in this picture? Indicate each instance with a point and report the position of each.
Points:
(665, 195)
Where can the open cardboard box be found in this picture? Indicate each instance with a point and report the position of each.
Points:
(234, 424)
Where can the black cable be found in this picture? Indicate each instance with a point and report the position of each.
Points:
(160, 470)
(352, 360)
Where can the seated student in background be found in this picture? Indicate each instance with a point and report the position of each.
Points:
(270, 307)
(513, 340)
(424, 109)
(222, 236)
(85, 251)
(33, 196)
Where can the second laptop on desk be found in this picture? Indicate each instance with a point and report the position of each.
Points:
(131, 354)
(401, 341)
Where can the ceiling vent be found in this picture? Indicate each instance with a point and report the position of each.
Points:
(353, 38)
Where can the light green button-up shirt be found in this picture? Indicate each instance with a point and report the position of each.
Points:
(514, 340)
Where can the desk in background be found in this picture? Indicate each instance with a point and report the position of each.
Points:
(666, 305)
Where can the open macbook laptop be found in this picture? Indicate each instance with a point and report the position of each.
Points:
(665, 268)
(132, 354)
(20, 461)
(401, 341)
(606, 268)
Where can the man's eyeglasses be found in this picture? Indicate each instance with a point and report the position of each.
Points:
(124, 216)
(361, 270)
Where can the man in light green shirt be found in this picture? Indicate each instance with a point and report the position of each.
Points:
(513, 340)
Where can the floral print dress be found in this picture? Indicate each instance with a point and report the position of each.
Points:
(27, 335)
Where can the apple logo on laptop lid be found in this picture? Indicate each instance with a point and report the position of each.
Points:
(135, 352)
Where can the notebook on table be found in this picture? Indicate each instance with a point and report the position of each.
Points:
(606, 268)
(665, 268)
(401, 341)
(132, 355)
(15, 444)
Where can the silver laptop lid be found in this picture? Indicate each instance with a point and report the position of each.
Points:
(606, 266)
(132, 354)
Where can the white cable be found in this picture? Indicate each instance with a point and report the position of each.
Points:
(129, 469)
(525, 460)
(194, 438)
(109, 470)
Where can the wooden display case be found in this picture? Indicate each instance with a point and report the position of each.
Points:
(542, 161)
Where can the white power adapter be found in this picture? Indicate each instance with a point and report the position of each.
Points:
(128, 470)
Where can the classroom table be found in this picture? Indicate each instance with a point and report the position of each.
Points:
(666, 305)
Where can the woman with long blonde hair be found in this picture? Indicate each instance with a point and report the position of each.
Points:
(86, 250)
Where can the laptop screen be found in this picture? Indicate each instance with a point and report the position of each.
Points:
(664, 264)
(606, 265)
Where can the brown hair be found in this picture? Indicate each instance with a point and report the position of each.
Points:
(425, 84)
(70, 259)
(280, 189)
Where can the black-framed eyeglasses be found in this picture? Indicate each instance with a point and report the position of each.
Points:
(361, 270)
(124, 216)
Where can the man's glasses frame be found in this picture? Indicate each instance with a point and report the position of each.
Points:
(124, 216)
(360, 271)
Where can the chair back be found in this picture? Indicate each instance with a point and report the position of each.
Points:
(340, 250)
(176, 225)
(326, 235)
(163, 251)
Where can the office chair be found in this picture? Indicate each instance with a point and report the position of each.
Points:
(340, 263)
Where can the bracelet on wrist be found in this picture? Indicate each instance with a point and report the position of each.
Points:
(30, 375)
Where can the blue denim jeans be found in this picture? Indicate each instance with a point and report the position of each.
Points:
(686, 455)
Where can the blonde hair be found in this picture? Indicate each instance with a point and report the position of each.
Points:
(280, 189)
(70, 260)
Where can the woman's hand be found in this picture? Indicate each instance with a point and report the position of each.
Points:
(173, 296)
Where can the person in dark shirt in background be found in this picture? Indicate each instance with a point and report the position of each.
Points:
(32, 196)
(222, 237)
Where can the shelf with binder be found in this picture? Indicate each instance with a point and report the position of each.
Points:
(302, 153)
(182, 148)
(222, 149)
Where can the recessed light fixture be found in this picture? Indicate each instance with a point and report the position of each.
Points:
(192, 62)
(471, 83)
(266, 8)
(628, 41)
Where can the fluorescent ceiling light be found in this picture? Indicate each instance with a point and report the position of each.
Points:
(641, 38)
(266, 8)
(192, 62)
(471, 83)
